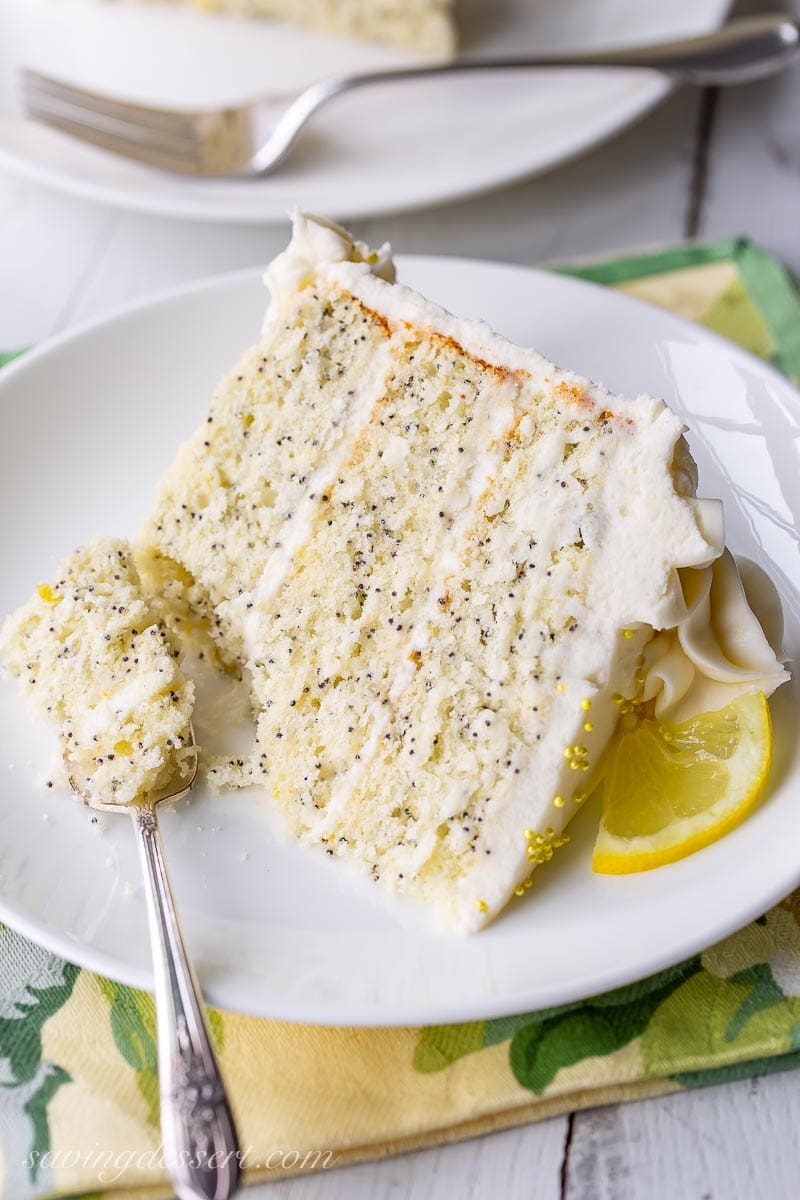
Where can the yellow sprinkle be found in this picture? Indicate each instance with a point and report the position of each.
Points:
(561, 687)
(575, 764)
(579, 797)
(584, 766)
(519, 891)
(124, 747)
(568, 751)
(617, 698)
(481, 906)
(627, 633)
(549, 832)
(586, 704)
(580, 751)
(539, 839)
(558, 801)
(47, 594)
(588, 726)
(529, 835)
(528, 883)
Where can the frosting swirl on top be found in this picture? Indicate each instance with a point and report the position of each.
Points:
(316, 241)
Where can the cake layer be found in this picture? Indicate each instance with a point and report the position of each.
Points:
(92, 657)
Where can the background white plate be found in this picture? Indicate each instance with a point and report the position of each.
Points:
(378, 151)
(88, 424)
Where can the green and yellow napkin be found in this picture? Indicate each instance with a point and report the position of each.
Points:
(78, 1090)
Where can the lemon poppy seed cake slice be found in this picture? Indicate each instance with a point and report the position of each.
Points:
(92, 657)
(439, 557)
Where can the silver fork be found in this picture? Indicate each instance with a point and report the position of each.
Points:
(251, 140)
(197, 1128)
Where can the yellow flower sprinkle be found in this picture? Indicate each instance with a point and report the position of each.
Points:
(519, 891)
(558, 801)
(47, 594)
(568, 751)
(627, 633)
(579, 797)
(481, 906)
(529, 835)
(586, 704)
(580, 751)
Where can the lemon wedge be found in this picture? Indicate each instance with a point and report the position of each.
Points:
(671, 789)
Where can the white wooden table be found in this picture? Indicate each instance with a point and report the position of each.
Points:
(705, 166)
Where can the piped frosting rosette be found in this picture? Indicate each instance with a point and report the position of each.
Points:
(719, 649)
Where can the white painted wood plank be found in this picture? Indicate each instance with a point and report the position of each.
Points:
(737, 1141)
(753, 183)
(517, 1164)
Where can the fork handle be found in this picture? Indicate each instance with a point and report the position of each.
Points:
(201, 1148)
(745, 49)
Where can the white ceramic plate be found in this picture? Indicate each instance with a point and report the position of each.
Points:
(88, 424)
(377, 151)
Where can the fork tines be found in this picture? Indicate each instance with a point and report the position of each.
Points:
(159, 136)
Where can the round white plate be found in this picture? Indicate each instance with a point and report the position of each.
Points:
(89, 423)
(378, 151)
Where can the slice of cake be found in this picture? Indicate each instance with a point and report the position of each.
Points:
(440, 558)
(416, 24)
(93, 658)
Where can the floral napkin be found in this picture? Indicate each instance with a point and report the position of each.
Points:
(78, 1089)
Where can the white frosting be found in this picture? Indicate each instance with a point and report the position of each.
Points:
(718, 649)
(121, 704)
(717, 652)
(316, 241)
